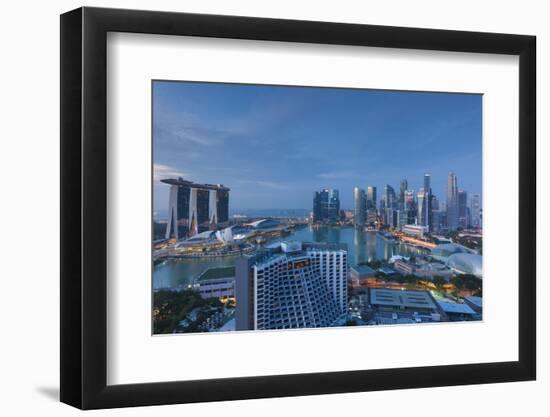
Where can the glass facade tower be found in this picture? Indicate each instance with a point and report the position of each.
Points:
(360, 206)
(326, 205)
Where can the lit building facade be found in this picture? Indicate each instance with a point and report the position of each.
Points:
(410, 206)
(299, 286)
(193, 208)
(372, 213)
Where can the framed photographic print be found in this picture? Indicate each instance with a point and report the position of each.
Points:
(258, 207)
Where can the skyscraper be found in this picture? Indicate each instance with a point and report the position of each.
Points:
(452, 202)
(434, 214)
(326, 205)
(475, 210)
(360, 206)
(410, 206)
(389, 194)
(427, 183)
(389, 203)
(193, 208)
(463, 220)
(403, 186)
(371, 204)
(422, 205)
(371, 197)
(300, 285)
(425, 216)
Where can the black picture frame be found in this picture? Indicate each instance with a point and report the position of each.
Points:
(84, 207)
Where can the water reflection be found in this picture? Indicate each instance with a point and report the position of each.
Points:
(362, 247)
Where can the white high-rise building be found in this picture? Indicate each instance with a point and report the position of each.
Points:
(300, 286)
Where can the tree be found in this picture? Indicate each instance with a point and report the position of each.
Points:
(458, 282)
(411, 279)
(439, 281)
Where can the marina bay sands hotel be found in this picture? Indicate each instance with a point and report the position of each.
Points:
(193, 208)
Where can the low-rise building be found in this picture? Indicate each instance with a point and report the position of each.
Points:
(216, 283)
(415, 230)
(458, 311)
(387, 299)
(476, 303)
(393, 306)
(360, 274)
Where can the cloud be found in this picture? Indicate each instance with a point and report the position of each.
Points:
(269, 184)
(336, 175)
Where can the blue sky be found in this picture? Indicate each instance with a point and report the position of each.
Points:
(275, 145)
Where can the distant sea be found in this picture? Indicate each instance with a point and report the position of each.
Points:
(270, 213)
(162, 215)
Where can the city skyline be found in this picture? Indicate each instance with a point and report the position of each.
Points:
(257, 140)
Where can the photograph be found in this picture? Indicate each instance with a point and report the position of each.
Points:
(294, 207)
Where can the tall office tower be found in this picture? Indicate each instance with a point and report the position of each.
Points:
(427, 183)
(193, 208)
(428, 200)
(299, 285)
(326, 205)
(434, 219)
(403, 186)
(390, 201)
(463, 220)
(360, 206)
(435, 203)
(371, 197)
(422, 203)
(372, 214)
(410, 206)
(389, 194)
(475, 210)
(452, 202)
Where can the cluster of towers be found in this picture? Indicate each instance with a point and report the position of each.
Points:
(422, 208)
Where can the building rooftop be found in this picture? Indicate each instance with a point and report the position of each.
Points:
(363, 270)
(191, 184)
(466, 263)
(217, 273)
(477, 301)
(401, 299)
(445, 250)
(455, 308)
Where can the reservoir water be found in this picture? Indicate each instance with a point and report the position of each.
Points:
(362, 247)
